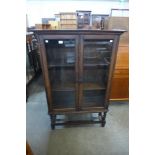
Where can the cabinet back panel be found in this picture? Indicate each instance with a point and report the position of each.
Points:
(63, 99)
(93, 98)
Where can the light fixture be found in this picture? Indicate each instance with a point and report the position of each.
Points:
(60, 42)
(46, 41)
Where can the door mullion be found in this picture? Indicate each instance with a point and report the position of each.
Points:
(80, 77)
(77, 73)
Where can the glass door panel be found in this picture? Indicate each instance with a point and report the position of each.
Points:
(97, 52)
(93, 98)
(61, 64)
(96, 62)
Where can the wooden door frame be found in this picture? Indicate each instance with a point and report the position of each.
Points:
(45, 72)
(115, 39)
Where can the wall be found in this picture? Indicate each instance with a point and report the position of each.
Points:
(37, 9)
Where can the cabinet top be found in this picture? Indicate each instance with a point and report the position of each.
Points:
(78, 32)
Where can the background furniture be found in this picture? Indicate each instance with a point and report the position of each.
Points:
(96, 20)
(68, 20)
(83, 19)
(119, 12)
(120, 81)
(46, 20)
(77, 67)
(43, 26)
(32, 59)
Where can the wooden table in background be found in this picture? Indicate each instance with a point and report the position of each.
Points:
(120, 81)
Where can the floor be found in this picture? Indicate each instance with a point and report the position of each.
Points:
(113, 139)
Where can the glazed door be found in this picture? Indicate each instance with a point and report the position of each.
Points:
(96, 52)
(61, 54)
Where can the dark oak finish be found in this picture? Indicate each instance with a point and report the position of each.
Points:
(112, 65)
(77, 68)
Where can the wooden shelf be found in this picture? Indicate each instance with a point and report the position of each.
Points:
(71, 87)
(64, 87)
(73, 65)
(96, 65)
(96, 43)
(92, 104)
(93, 86)
(92, 62)
(59, 65)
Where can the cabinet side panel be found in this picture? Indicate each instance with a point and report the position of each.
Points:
(44, 67)
(112, 65)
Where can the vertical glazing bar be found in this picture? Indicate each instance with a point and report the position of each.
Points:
(81, 71)
(76, 72)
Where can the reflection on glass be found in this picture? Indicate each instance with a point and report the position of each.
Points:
(61, 63)
(97, 57)
(95, 78)
(60, 52)
(97, 52)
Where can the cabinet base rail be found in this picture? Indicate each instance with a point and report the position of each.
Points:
(56, 122)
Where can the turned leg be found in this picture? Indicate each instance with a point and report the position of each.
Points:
(103, 122)
(100, 113)
(100, 116)
(27, 93)
(53, 120)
